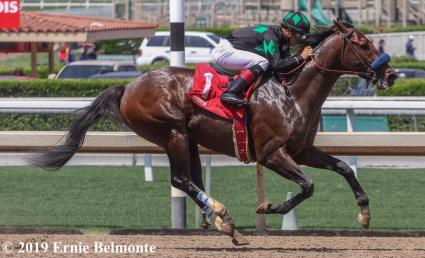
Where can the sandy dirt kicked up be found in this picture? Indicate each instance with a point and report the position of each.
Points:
(181, 245)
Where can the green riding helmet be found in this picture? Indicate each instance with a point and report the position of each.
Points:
(296, 21)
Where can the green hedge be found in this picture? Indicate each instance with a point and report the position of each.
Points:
(405, 87)
(416, 65)
(404, 59)
(56, 88)
(406, 62)
(50, 122)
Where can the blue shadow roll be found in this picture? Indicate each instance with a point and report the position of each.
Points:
(380, 60)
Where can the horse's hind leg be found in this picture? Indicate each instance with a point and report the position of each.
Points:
(178, 151)
(314, 157)
(282, 163)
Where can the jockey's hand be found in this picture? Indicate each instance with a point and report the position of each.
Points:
(307, 52)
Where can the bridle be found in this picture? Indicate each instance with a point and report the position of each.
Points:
(371, 68)
(369, 75)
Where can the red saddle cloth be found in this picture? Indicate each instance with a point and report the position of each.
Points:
(208, 85)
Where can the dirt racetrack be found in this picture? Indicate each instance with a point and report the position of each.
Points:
(210, 246)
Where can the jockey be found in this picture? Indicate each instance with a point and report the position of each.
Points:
(252, 50)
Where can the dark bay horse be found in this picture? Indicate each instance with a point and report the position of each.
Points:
(283, 124)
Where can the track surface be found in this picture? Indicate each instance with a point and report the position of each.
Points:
(221, 246)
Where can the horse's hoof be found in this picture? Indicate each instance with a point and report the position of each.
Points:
(264, 208)
(225, 226)
(364, 218)
(239, 239)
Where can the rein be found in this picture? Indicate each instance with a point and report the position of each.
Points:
(295, 69)
(313, 59)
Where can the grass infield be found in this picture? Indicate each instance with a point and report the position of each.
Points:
(98, 199)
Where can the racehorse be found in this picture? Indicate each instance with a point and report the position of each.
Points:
(283, 121)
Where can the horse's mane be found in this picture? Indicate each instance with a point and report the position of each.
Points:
(346, 24)
(317, 36)
(321, 33)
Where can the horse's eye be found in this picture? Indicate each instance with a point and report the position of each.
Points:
(365, 46)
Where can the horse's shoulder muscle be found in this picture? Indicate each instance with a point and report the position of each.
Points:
(271, 93)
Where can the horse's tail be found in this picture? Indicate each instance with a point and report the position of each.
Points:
(107, 104)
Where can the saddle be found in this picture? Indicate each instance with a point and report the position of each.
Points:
(210, 81)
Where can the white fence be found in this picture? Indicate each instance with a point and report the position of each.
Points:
(339, 143)
(333, 105)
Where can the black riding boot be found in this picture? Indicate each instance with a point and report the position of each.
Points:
(232, 96)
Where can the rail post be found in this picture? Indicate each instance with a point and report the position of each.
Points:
(148, 167)
(289, 219)
(178, 198)
(352, 160)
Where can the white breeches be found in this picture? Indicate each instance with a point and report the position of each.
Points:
(226, 56)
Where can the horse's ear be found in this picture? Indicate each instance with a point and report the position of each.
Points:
(356, 39)
(353, 37)
(339, 25)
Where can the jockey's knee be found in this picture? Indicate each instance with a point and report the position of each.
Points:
(263, 63)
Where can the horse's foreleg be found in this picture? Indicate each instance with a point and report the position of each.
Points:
(314, 157)
(178, 151)
(282, 163)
